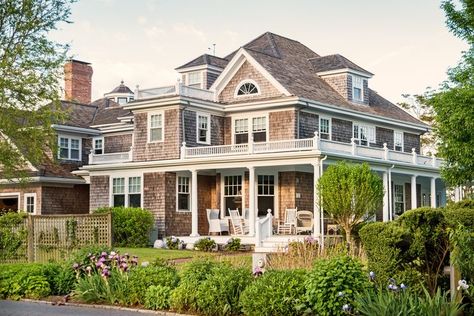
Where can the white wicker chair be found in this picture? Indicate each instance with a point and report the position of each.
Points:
(238, 222)
(305, 221)
(216, 224)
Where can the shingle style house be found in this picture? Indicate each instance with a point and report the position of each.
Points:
(253, 131)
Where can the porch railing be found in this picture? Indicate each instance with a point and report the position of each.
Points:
(95, 159)
(308, 144)
(178, 89)
(263, 228)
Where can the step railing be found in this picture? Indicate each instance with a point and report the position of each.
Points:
(263, 228)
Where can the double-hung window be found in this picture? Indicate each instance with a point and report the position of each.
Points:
(398, 141)
(324, 127)
(399, 201)
(183, 202)
(232, 193)
(266, 194)
(364, 134)
(69, 148)
(259, 129)
(357, 89)
(195, 79)
(156, 127)
(241, 131)
(203, 128)
(30, 203)
(127, 191)
(98, 146)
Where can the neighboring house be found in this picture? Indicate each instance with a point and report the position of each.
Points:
(52, 187)
(254, 130)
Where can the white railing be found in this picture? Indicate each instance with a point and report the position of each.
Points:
(308, 144)
(174, 90)
(263, 228)
(95, 159)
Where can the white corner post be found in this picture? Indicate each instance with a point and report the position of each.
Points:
(386, 192)
(433, 192)
(252, 199)
(413, 192)
(316, 204)
(194, 204)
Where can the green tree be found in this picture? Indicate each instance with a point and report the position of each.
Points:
(453, 103)
(30, 72)
(350, 194)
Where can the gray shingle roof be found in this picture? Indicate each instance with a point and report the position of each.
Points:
(78, 114)
(121, 89)
(290, 63)
(335, 62)
(206, 59)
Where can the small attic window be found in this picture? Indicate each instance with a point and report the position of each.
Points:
(195, 79)
(246, 88)
(357, 89)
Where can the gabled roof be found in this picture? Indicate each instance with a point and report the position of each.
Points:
(205, 59)
(335, 62)
(291, 64)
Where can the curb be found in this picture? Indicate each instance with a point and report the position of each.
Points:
(112, 307)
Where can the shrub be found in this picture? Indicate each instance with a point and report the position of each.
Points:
(13, 236)
(275, 293)
(157, 297)
(131, 226)
(183, 298)
(61, 278)
(219, 293)
(173, 243)
(233, 244)
(460, 216)
(23, 280)
(332, 283)
(205, 244)
(140, 278)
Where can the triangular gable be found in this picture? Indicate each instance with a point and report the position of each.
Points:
(240, 59)
(8, 140)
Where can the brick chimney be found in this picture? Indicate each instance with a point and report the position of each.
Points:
(78, 81)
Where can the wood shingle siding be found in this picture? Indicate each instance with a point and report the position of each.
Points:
(341, 130)
(117, 143)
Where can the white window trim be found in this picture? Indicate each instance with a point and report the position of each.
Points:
(25, 198)
(403, 139)
(361, 90)
(360, 124)
(208, 132)
(330, 126)
(201, 84)
(259, 92)
(12, 195)
(69, 147)
(403, 195)
(224, 174)
(93, 144)
(149, 141)
(126, 189)
(190, 191)
(250, 117)
(276, 188)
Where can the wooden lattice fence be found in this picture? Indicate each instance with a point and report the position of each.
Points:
(55, 237)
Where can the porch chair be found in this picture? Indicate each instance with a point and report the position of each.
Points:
(288, 225)
(238, 222)
(305, 221)
(216, 224)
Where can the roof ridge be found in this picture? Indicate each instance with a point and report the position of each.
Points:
(78, 103)
(260, 52)
(273, 44)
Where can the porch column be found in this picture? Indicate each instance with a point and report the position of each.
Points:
(413, 192)
(386, 192)
(194, 204)
(316, 202)
(433, 192)
(252, 208)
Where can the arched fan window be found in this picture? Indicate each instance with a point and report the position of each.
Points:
(247, 88)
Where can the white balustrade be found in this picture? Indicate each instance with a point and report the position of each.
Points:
(223, 150)
(177, 89)
(400, 156)
(284, 145)
(371, 152)
(95, 159)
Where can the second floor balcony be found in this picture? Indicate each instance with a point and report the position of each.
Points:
(177, 89)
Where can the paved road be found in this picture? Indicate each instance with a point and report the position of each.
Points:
(11, 308)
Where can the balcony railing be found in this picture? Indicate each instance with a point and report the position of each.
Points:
(96, 159)
(308, 144)
(178, 89)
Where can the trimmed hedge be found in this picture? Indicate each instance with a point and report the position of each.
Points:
(131, 227)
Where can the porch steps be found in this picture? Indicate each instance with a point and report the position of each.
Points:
(277, 243)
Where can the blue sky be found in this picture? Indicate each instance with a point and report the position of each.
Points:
(404, 43)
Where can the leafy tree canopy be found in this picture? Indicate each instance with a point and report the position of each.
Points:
(30, 72)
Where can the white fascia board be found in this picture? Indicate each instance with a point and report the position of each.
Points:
(176, 100)
(117, 129)
(345, 70)
(360, 115)
(234, 65)
(43, 179)
(105, 125)
(259, 105)
(200, 67)
(77, 130)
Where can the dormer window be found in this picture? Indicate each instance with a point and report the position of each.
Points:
(195, 79)
(247, 88)
(357, 89)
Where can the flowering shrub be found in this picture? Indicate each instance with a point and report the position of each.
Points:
(275, 293)
(205, 244)
(233, 244)
(332, 283)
